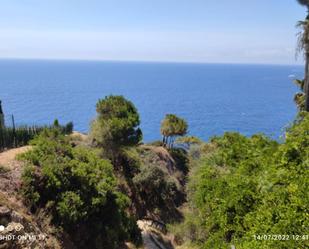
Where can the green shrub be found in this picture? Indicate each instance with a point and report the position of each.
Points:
(181, 159)
(80, 191)
(130, 160)
(247, 187)
(157, 189)
(69, 208)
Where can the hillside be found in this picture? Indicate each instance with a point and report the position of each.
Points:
(22, 229)
(38, 226)
(109, 190)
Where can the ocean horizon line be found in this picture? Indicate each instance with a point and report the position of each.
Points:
(147, 61)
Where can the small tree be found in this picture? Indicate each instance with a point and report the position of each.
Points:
(171, 127)
(116, 124)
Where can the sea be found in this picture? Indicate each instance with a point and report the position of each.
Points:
(213, 98)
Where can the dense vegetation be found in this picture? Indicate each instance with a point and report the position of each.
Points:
(250, 192)
(241, 189)
(79, 191)
(158, 183)
(102, 187)
(12, 137)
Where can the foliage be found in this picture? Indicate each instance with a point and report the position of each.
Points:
(157, 189)
(303, 35)
(181, 159)
(303, 46)
(21, 135)
(157, 183)
(65, 129)
(299, 98)
(250, 186)
(303, 2)
(116, 123)
(189, 140)
(172, 126)
(80, 191)
(130, 159)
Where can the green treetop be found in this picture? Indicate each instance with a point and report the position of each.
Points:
(116, 124)
(171, 127)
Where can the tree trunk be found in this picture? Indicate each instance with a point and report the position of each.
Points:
(306, 79)
(306, 85)
(1, 116)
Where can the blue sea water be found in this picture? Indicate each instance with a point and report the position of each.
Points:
(213, 98)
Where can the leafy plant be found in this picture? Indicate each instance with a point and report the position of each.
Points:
(80, 191)
(247, 187)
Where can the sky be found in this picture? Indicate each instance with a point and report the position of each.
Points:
(211, 31)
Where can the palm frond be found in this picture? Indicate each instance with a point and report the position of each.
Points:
(299, 99)
(300, 83)
(303, 2)
(303, 36)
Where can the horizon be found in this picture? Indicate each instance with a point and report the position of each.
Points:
(201, 31)
(149, 61)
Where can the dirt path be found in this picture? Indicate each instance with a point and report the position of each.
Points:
(152, 239)
(10, 178)
(7, 158)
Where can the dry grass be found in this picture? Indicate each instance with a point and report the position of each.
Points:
(4, 169)
(7, 158)
(14, 204)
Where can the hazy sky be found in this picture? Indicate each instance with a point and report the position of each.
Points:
(238, 31)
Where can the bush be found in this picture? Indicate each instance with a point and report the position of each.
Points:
(80, 191)
(250, 186)
(130, 160)
(181, 159)
(157, 189)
